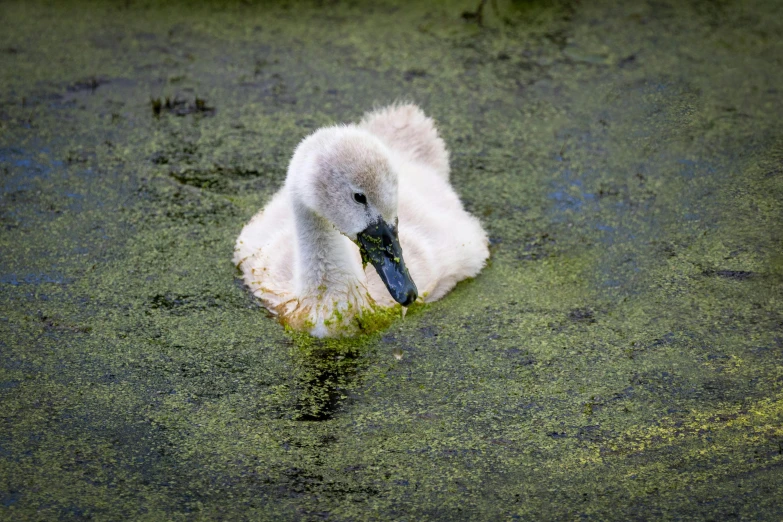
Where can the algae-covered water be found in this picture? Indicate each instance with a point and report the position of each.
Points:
(620, 357)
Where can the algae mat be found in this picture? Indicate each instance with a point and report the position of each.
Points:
(619, 358)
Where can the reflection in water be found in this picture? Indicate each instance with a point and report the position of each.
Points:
(325, 370)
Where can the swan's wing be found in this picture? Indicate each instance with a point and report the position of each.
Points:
(441, 242)
(264, 252)
(263, 227)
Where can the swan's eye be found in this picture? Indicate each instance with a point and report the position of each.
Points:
(360, 198)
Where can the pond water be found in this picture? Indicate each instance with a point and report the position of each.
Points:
(619, 357)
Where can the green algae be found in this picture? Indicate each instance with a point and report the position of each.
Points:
(618, 358)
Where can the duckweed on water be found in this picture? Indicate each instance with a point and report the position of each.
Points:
(619, 357)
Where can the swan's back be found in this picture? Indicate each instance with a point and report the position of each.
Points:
(408, 131)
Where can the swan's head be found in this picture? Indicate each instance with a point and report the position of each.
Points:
(346, 176)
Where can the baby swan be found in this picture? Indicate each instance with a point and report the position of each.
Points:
(327, 250)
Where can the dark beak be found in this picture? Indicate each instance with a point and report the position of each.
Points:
(380, 246)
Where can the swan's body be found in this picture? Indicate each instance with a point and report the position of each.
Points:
(299, 256)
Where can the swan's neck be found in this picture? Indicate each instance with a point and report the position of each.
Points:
(325, 261)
